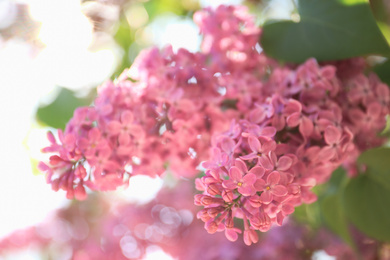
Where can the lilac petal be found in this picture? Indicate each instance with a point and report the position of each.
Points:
(268, 131)
(269, 146)
(247, 190)
(124, 150)
(235, 174)
(382, 90)
(105, 153)
(111, 166)
(273, 178)
(278, 122)
(284, 163)
(241, 166)
(250, 178)
(255, 201)
(294, 119)
(257, 115)
(279, 190)
(306, 127)
(260, 185)
(208, 164)
(127, 117)
(94, 134)
(374, 109)
(249, 156)
(266, 163)
(137, 131)
(229, 184)
(312, 153)
(292, 107)
(356, 115)
(83, 143)
(114, 127)
(254, 143)
(322, 123)
(257, 171)
(273, 158)
(328, 72)
(231, 234)
(326, 153)
(332, 135)
(266, 197)
(227, 145)
(124, 139)
(287, 209)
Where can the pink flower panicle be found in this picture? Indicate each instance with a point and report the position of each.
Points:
(158, 116)
(286, 128)
(301, 125)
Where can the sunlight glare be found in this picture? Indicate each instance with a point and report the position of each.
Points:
(155, 253)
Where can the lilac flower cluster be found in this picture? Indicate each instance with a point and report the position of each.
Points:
(158, 116)
(98, 229)
(290, 127)
(296, 126)
(308, 124)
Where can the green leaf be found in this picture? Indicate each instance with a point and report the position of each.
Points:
(124, 37)
(158, 7)
(309, 214)
(367, 204)
(327, 30)
(386, 131)
(335, 216)
(332, 206)
(383, 71)
(377, 161)
(58, 113)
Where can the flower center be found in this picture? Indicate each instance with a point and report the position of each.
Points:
(239, 184)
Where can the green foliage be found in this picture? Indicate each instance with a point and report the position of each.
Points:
(332, 206)
(377, 161)
(327, 30)
(367, 203)
(363, 201)
(157, 7)
(367, 198)
(309, 214)
(383, 71)
(124, 37)
(58, 113)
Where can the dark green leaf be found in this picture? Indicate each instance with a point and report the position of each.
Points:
(386, 131)
(377, 161)
(332, 206)
(58, 113)
(334, 216)
(367, 205)
(383, 71)
(327, 30)
(309, 214)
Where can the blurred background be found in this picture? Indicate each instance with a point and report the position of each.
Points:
(53, 55)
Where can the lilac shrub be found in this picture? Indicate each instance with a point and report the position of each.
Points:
(264, 133)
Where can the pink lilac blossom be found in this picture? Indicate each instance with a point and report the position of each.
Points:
(275, 131)
(301, 124)
(100, 229)
(159, 115)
